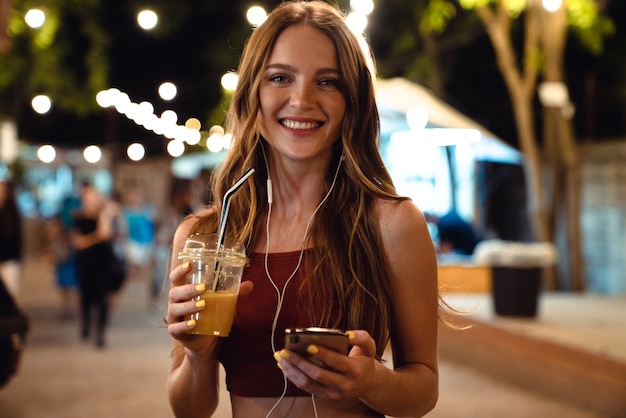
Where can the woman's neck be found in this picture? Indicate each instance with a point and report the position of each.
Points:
(286, 232)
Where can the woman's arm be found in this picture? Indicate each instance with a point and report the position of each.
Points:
(410, 389)
(82, 241)
(192, 384)
(103, 231)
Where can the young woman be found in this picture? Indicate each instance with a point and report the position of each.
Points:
(330, 243)
(92, 234)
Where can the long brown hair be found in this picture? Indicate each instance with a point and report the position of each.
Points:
(348, 268)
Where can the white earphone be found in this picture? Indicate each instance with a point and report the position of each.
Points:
(270, 198)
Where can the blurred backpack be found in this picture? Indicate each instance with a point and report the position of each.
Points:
(13, 329)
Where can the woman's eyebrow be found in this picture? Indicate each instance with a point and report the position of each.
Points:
(292, 69)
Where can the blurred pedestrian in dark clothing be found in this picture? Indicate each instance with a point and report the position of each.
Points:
(10, 239)
(13, 329)
(456, 235)
(92, 238)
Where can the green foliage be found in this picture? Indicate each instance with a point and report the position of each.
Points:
(584, 18)
(588, 24)
(437, 15)
(513, 7)
(65, 58)
(472, 4)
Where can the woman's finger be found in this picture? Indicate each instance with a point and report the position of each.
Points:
(363, 341)
(178, 275)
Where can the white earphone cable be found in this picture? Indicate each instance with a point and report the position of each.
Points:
(281, 293)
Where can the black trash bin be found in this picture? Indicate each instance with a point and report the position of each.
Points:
(516, 290)
(516, 274)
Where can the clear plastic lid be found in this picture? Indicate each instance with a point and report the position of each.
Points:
(204, 246)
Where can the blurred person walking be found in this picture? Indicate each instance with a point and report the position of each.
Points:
(11, 237)
(139, 217)
(62, 258)
(179, 208)
(14, 326)
(93, 230)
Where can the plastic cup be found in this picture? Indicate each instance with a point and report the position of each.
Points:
(220, 271)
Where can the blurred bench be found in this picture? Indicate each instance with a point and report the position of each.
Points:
(458, 278)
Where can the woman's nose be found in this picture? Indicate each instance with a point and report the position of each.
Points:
(302, 96)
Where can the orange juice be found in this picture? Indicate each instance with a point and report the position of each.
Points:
(217, 316)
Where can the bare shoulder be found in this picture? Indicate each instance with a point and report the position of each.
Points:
(406, 240)
(399, 217)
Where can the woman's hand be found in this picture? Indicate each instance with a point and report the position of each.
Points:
(351, 376)
(182, 304)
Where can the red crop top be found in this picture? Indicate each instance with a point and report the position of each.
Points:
(246, 353)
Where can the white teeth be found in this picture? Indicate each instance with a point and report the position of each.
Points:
(292, 124)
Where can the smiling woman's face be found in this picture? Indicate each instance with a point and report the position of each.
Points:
(302, 104)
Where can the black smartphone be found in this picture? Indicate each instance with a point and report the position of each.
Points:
(298, 339)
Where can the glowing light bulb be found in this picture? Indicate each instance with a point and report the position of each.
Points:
(147, 19)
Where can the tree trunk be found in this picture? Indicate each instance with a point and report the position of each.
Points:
(521, 86)
(566, 161)
(553, 185)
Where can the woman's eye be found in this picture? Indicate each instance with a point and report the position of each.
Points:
(278, 78)
(329, 82)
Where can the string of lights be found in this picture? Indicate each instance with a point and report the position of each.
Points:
(166, 123)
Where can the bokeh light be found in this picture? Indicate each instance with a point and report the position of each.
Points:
(175, 148)
(192, 136)
(136, 151)
(169, 116)
(362, 6)
(552, 5)
(35, 18)
(227, 140)
(41, 104)
(167, 91)
(46, 153)
(193, 123)
(147, 19)
(256, 15)
(92, 154)
(229, 81)
(357, 22)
